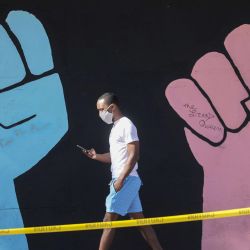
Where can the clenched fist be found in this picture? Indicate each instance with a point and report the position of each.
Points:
(214, 102)
(33, 116)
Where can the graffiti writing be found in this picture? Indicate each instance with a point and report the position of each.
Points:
(203, 122)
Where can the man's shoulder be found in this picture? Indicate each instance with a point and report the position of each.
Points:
(126, 121)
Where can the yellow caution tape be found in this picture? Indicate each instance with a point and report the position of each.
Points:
(128, 223)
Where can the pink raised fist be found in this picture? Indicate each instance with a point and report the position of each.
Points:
(214, 102)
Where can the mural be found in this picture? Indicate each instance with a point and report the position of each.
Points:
(214, 102)
(125, 48)
(33, 116)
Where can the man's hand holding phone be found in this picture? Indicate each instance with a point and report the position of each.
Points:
(91, 153)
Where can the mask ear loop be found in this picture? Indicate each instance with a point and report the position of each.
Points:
(108, 107)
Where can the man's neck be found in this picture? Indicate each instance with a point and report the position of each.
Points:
(118, 116)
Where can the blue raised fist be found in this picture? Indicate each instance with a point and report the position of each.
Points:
(33, 116)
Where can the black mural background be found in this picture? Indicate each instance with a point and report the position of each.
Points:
(134, 48)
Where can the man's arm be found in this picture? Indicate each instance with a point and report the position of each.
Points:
(104, 158)
(133, 156)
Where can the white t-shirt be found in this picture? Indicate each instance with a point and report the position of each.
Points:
(122, 133)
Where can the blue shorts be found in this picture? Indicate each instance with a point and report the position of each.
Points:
(126, 200)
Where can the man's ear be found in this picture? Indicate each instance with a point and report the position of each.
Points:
(114, 107)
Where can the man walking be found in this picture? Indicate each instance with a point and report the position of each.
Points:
(125, 185)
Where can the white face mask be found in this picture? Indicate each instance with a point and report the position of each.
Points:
(106, 116)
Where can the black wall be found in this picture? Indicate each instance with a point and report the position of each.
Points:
(134, 48)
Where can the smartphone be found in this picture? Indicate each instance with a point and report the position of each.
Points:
(83, 149)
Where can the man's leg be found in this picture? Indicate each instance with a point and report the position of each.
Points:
(147, 232)
(108, 233)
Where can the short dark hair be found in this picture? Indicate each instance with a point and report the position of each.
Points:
(110, 98)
